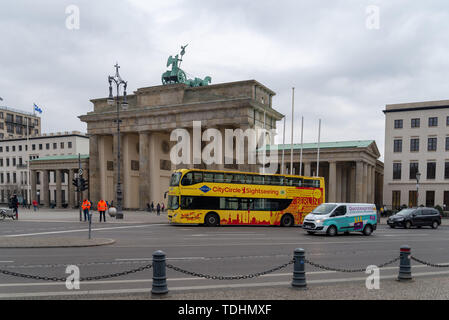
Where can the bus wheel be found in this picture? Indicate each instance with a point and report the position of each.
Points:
(287, 221)
(212, 220)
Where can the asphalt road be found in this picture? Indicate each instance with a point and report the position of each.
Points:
(214, 251)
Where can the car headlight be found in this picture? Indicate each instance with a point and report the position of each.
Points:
(319, 220)
(399, 219)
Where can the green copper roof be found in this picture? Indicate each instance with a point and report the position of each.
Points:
(65, 157)
(328, 145)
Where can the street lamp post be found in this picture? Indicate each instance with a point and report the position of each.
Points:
(118, 81)
(418, 175)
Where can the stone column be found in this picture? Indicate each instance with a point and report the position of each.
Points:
(45, 190)
(144, 170)
(339, 194)
(332, 190)
(154, 172)
(365, 183)
(94, 169)
(58, 188)
(33, 195)
(344, 183)
(71, 189)
(373, 179)
(352, 184)
(307, 169)
(359, 182)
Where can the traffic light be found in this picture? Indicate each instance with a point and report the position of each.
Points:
(75, 182)
(84, 184)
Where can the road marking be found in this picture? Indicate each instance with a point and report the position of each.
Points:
(77, 230)
(243, 285)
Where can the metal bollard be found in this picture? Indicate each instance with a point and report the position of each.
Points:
(405, 268)
(159, 273)
(299, 274)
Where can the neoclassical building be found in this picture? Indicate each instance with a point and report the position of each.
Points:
(146, 125)
(351, 169)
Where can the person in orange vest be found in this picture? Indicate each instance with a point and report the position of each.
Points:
(86, 207)
(102, 207)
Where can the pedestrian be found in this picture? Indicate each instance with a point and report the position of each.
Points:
(34, 204)
(152, 206)
(102, 207)
(163, 207)
(15, 205)
(86, 207)
(158, 208)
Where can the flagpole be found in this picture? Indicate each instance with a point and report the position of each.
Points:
(318, 153)
(28, 162)
(283, 147)
(291, 141)
(300, 155)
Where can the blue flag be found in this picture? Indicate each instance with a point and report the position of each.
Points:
(36, 108)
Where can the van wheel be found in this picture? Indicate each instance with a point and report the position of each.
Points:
(212, 220)
(287, 220)
(368, 230)
(332, 231)
(435, 224)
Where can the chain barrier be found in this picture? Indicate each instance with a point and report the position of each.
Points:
(435, 265)
(240, 277)
(56, 279)
(320, 266)
(57, 265)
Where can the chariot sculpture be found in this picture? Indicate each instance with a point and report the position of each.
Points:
(177, 75)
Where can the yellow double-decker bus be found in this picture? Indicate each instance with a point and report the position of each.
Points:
(215, 198)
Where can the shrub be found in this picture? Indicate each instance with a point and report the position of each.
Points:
(438, 207)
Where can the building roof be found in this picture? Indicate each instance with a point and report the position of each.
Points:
(31, 114)
(328, 145)
(65, 157)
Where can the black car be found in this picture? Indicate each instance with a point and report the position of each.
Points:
(418, 217)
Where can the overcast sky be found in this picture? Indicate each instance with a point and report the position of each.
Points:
(344, 69)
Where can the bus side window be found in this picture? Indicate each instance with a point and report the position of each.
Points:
(228, 177)
(288, 181)
(238, 178)
(249, 179)
(197, 177)
(309, 183)
(246, 204)
(187, 179)
(275, 180)
(267, 180)
(208, 177)
(258, 179)
(218, 177)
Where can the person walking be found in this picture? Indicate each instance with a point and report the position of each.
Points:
(163, 207)
(86, 207)
(15, 205)
(102, 207)
(35, 204)
(152, 206)
(158, 208)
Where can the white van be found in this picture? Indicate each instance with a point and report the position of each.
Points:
(332, 218)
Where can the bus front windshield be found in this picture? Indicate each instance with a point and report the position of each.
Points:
(173, 202)
(323, 209)
(174, 180)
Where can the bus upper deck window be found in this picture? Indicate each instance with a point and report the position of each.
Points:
(197, 177)
(228, 177)
(218, 177)
(187, 180)
(208, 177)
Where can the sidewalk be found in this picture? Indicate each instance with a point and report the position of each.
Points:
(72, 215)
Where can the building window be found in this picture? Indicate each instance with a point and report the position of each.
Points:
(134, 165)
(447, 120)
(413, 170)
(1, 162)
(415, 123)
(62, 145)
(412, 198)
(9, 128)
(33, 147)
(110, 165)
(14, 177)
(398, 124)
(433, 121)
(397, 171)
(40, 146)
(165, 165)
(446, 170)
(1, 115)
(445, 200)
(432, 144)
(431, 170)
(2, 178)
(9, 117)
(36, 131)
(396, 199)
(397, 145)
(14, 162)
(447, 144)
(414, 144)
(1, 149)
(13, 148)
(47, 146)
(69, 144)
(19, 130)
(55, 146)
(7, 162)
(8, 178)
(20, 147)
(20, 160)
(2, 125)
(7, 149)
(430, 198)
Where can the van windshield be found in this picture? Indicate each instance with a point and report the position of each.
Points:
(324, 208)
